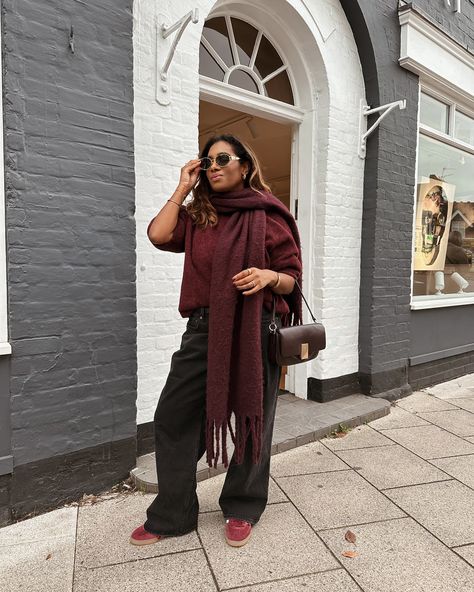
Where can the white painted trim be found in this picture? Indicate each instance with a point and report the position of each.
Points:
(437, 36)
(415, 197)
(275, 73)
(433, 55)
(228, 95)
(256, 47)
(441, 301)
(258, 81)
(296, 382)
(429, 78)
(5, 347)
(445, 139)
(304, 166)
(214, 54)
(233, 44)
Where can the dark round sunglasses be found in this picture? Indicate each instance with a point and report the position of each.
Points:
(222, 159)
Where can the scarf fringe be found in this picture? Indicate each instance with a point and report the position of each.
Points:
(244, 427)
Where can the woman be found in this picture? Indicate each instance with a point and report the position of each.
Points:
(241, 248)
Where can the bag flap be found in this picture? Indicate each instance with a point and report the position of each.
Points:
(291, 338)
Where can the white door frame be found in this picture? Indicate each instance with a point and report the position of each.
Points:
(240, 99)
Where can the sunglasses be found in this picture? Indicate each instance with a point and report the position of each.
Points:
(222, 160)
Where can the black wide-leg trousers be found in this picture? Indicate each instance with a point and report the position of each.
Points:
(180, 421)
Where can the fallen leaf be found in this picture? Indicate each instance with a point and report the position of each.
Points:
(349, 553)
(49, 556)
(350, 536)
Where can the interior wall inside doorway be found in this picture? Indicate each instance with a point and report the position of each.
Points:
(270, 140)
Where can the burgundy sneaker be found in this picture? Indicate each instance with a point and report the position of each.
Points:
(140, 536)
(237, 532)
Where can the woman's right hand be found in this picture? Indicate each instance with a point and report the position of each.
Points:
(189, 175)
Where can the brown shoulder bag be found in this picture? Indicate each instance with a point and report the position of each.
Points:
(293, 345)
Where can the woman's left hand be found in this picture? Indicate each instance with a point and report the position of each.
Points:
(251, 283)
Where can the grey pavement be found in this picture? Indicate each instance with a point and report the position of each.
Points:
(401, 485)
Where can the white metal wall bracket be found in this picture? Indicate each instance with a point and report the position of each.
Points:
(365, 110)
(162, 33)
(454, 5)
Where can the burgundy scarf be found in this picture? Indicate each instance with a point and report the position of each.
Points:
(234, 372)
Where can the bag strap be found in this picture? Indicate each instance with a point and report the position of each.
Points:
(299, 288)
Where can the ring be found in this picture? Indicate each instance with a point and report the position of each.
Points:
(253, 284)
(249, 272)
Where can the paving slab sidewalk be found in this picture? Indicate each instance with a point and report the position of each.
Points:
(403, 485)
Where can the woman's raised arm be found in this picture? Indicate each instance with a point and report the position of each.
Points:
(161, 229)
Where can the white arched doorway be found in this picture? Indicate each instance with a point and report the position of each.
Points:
(316, 43)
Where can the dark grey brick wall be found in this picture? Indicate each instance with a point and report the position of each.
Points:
(385, 315)
(459, 26)
(384, 330)
(70, 224)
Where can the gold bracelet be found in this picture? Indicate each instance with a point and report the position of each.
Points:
(278, 281)
(175, 202)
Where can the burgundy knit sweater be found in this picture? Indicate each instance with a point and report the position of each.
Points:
(281, 254)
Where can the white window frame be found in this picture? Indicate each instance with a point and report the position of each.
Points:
(454, 104)
(228, 70)
(5, 347)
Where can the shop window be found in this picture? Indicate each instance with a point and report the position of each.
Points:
(444, 228)
(464, 128)
(234, 52)
(434, 113)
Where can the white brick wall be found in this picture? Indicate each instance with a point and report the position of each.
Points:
(329, 77)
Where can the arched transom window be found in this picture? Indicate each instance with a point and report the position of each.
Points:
(234, 52)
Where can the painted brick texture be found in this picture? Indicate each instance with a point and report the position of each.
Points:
(388, 199)
(70, 224)
(459, 26)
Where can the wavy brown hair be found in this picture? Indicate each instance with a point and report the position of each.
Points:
(200, 209)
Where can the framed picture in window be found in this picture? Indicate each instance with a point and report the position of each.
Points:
(433, 220)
